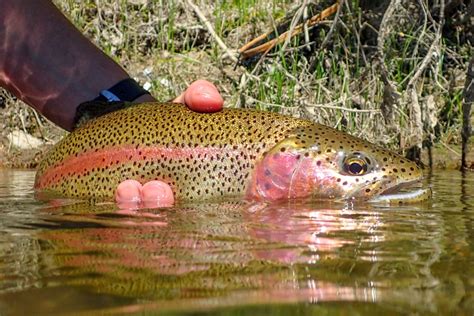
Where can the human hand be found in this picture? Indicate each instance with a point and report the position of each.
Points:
(201, 96)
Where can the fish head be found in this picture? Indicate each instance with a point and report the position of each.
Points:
(324, 163)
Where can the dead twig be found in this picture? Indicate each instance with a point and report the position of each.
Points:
(434, 49)
(294, 22)
(391, 96)
(332, 106)
(210, 29)
(333, 26)
(248, 50)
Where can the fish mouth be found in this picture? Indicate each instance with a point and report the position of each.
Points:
(404, 193)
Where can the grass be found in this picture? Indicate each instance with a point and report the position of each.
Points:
(333, 85)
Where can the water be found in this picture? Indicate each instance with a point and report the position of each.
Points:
(229, 258)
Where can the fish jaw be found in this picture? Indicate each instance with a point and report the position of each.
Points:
(410, 197)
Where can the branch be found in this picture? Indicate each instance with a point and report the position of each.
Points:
(434, 48)
(248, 50)
(207, 24)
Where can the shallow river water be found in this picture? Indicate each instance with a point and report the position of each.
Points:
(66, 257)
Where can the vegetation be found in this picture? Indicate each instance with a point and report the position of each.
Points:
(392, 72)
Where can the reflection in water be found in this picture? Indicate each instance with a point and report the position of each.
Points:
(65, 256)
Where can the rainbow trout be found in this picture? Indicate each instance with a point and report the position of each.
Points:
(233, 153)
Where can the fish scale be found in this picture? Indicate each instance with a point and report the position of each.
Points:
(232, 153)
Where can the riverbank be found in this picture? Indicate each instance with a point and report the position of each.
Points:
(391, 74)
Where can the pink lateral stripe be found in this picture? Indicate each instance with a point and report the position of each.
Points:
(92, 159)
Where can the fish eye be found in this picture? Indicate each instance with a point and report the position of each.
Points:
(355, 166)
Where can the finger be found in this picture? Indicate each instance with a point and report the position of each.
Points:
(203, 96)
(128, 194)
(157, 194)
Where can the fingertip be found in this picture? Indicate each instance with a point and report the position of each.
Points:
(202, 83)
(128, 195)
(128, 191)
(203, 96)
(157, 194)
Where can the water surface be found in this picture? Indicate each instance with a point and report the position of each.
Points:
(64, 256)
